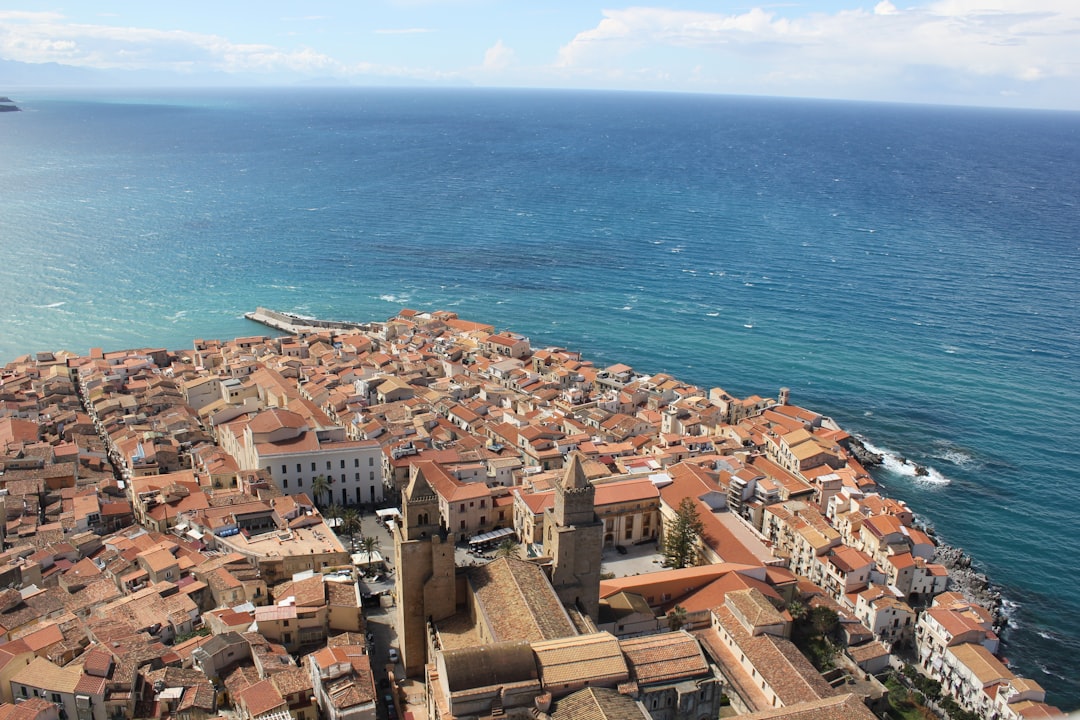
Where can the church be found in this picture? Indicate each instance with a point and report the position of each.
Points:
(519, 638)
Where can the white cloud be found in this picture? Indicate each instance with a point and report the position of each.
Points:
(498, 57)
(46, 37)
(1012, 40)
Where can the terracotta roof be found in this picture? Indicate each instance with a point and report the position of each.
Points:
(981, 662)
(276, 418)
(664, 658)
(517, 601)
(260, 698)
(777, 661)
(593, 659)
(597, 704)
(41, 673)
(841, 707)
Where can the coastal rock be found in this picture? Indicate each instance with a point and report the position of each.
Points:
(864, 456)
(972, 584)
(8, 105)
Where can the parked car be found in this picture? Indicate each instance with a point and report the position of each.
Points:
(621, 550)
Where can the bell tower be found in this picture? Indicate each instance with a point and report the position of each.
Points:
(573, 539)
(424, 559)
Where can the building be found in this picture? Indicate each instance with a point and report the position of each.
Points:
(343, 683)
(573, 539)
(295, 451)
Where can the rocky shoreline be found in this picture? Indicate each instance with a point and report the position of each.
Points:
(8, 105)
(862, 454)
(975, 586)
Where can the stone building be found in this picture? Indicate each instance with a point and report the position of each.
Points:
(573, 539)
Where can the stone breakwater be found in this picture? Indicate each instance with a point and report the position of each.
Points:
(972, 584)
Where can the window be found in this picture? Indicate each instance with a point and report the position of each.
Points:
(342, 477)
(371, 476)
(471, 503)
(462, 510)
(629, 535)
(298, 468)
(370, 461)
(285, 483)
(357, 477)
(312, 467)
(23, 691)
(356, 463)
(327, 464)
(56, 698)
(483, 520)
(462, 524)
(482, 503)
(284, 469)
(300, 482)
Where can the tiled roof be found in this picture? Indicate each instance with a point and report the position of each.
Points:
(595, 658)
(842, 707)
(517, 601)
(597, 704)
(292, 680)
(752, 607)
(41, 673)
(664, 658)
(777, 661)
(90, 685)
(260, 698)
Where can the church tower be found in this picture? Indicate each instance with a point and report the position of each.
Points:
(424, 561)
(573, 539)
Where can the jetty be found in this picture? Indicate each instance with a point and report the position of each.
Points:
(299, 325)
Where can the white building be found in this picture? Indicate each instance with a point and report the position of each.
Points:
(283, 443)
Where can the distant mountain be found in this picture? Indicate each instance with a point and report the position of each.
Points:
(19, 74)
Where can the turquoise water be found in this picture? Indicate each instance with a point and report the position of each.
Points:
(911, 271)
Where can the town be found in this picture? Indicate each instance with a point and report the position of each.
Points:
(427, 518)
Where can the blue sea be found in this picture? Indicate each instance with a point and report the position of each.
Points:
(911, 271)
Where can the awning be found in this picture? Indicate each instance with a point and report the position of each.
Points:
(490, 536)
(388, 513)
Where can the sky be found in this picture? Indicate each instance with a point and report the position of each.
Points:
(1010, 53)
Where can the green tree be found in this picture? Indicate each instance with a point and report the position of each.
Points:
(350, 522)
(676, 618)
(824, 620)
(509, 547)
(370, 544)
(682, 535)
(319, 486)
(797, 609)
(334, 511)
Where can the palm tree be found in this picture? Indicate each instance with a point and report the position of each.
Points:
(334, 511)
(509, 547)
(350, 522)
(370, 544)
(319, 487)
